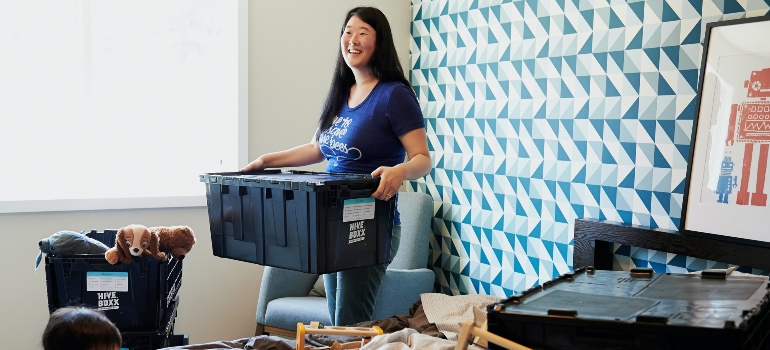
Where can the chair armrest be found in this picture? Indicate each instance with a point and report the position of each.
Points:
(282, 283)
(400, 289)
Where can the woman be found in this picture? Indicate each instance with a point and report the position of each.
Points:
(371, 119)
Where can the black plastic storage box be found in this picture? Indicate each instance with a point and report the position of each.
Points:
(305, 221)
(599, 309)
(145, 341)
(161, 338)
(134, 296)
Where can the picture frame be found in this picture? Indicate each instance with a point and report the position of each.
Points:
(726, 186)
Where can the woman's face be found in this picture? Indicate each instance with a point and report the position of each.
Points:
(358, 43)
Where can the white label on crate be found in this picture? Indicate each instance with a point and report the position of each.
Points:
(358, 209)
(106, 281)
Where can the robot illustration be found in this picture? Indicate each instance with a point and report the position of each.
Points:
(726, 181)
(750, 124)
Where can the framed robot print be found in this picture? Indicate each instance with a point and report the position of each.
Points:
(726, 188)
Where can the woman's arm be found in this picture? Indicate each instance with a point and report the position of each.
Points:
(418, 165)
(309, 153)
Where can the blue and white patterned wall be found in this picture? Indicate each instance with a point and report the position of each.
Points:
(542, 111)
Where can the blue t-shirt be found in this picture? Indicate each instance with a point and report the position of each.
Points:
(365, 137)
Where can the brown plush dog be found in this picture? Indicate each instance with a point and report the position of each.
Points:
(132, 241)
(175, 239)
(138, 240)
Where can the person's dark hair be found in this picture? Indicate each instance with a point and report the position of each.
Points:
(384, 64)
(79, 328)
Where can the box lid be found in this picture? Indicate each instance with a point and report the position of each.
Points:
(673, 299)
(290, 179)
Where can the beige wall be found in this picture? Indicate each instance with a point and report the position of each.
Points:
(292, 48)
(217, 297)
(292, 51)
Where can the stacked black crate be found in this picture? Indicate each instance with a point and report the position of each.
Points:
(140, 297)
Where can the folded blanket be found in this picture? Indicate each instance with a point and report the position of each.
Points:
(407, 339)
(449, 312)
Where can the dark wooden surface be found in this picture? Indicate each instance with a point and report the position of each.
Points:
(594, 238)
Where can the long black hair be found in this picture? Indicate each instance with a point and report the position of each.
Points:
(384, 64)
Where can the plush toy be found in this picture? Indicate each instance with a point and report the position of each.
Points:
(65, 243)
(175, 239)
(138, 240)
(131, 241)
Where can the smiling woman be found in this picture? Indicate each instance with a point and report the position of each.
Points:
(358, 42)
(114, 104)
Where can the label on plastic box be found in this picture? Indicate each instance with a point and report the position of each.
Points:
(357, 232)
(358, 209)
(106, 281)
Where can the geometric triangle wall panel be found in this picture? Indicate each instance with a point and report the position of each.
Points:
(541, 112)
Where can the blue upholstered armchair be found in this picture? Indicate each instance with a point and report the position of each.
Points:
(284, 295)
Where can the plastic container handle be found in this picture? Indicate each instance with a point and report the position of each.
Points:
(361, 193)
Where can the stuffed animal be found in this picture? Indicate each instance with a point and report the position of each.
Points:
(132, 241)
(138, 240)
(175, 239)
(65, 243)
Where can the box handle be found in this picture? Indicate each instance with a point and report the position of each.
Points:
(562, 312)
(361, 193)
(652, 319)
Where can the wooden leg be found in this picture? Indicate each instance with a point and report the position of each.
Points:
(280, 331)
(260, 330)
(469, 331)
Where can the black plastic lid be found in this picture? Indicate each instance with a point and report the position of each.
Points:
(288, 179)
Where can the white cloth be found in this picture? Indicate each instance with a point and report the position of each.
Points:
(448, 313)
(407, 339)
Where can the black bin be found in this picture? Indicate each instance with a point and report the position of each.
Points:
(312, 222)
(161, 338)
(135, 296)
(600, 309)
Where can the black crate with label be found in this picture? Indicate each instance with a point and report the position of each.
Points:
(596, 309)
(134, 296)
(305, 221)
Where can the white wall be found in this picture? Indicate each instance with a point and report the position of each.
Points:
(292, 49)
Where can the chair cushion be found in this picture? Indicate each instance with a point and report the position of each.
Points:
(318, 288)
(286, 312)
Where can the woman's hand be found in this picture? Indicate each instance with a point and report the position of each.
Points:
(416, 145)
(257, 164)
(390, 181)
